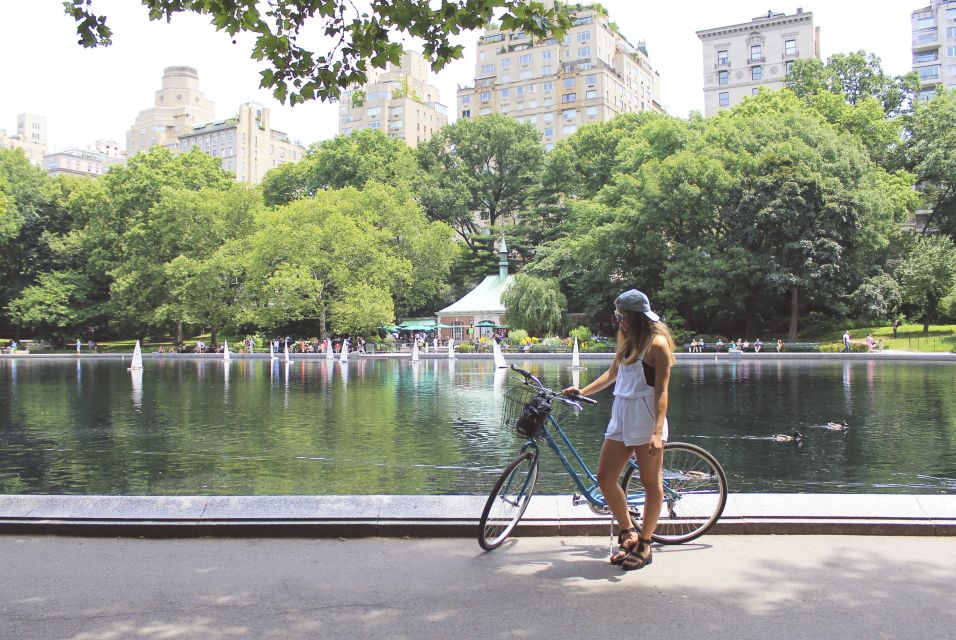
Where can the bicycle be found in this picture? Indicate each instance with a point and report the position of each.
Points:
(695, 486)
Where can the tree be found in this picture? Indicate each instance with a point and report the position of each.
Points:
(878, 299)
(343, 161)
(477, 176)
(361, 39)
(855, 76)
(534, 304)
(927, 274)
(931, 153)
(52, 305)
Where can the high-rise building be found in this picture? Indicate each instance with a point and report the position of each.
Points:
(245, 144)
(590, 75)
(740, 58)
(934, 46)
(397, 101)
(177, 106)
(30, 136)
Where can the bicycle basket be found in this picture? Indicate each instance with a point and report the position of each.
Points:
(526, 412)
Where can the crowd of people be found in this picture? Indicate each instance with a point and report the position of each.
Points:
(699, 345)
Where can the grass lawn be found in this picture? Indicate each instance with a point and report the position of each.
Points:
(909, 337)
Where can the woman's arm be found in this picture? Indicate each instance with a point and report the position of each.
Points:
(660, 360)
(600, 383)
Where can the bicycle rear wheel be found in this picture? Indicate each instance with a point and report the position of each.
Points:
(508, 501)
(695, 492)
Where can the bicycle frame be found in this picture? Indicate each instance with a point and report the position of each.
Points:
(591, 491)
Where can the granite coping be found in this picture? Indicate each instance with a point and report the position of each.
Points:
(363, 515)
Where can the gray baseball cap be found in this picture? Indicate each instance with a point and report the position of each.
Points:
(634, 300)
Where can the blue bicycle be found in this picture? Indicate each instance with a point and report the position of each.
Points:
(695, 486)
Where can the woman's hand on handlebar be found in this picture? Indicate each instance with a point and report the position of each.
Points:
(571, 392)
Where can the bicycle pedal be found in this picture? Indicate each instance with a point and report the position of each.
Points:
(577, 499)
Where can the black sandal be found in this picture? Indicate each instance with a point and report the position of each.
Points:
(634, 559)
(623, 551)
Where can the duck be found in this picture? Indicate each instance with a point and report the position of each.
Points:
(838, 426)
(796, 436)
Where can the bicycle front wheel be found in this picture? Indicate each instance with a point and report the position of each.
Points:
(508, 501)
(695, 492)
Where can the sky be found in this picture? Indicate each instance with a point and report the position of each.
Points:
(96, 94)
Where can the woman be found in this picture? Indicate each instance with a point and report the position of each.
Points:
(640, 373)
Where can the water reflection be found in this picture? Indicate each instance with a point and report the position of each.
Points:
(387, 426)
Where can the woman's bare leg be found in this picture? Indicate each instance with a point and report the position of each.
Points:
(614, 455)
(650, 467)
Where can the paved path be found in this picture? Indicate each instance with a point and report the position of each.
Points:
(730, 587)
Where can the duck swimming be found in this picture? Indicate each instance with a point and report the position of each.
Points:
(796, 436)
(838, 426)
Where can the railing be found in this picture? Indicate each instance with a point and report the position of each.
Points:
(756, 60)
(722, 63)
(787, 55)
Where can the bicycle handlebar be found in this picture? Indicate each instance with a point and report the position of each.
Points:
(529, 377)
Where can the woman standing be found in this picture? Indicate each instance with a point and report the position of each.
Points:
(640, 373)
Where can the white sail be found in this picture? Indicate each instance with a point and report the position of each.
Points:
(451, 348)
(136, 376)
(272, 350)
(285, 355)
(225, 351)
(415, 351)
(499, 357)
(344, 353)
(576, 377)
(329, 353)
(575, 356)
(137, 357)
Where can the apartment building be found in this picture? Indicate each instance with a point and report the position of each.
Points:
(590, 75)
(934, 46)
(740, 58)
(245, 144)
(30, 136)
(93, 161)
(177, 106)
(397, 101)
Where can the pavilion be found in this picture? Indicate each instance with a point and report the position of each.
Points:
(480, 312)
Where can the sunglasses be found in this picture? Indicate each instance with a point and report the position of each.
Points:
(618, 315)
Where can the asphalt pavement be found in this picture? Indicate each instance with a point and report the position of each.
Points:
(724, 586)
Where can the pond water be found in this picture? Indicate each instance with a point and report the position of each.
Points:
(188, 426)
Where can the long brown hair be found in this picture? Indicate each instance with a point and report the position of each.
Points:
(632, 344)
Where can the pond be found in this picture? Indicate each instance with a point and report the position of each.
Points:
(187, 426)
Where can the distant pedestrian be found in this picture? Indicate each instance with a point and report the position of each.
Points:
(846, 341)
(870, 343)
(779, 345)
(758, 345)
(79, 346)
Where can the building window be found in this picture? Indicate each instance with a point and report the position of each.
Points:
(926, 22)
(505, 78)
(723, 98)
(951, 32)
(569, 97)
(590, 94)
(374, 124)
(790, 47)
(505, 92)
(532, 87)
(756, 73)
(591, 79)
(484, 96)
(487, 69)
(466, 113)
(548, 117)
(548, 132)
(524, 58)
(569, 114)
(532, 104)
(525, 75)
(397, 111)
(754, 91)
(929, 73)
(929, 56)
(569, 83)
(548, 86)
(723, 77)
(546, 70)
(373, 111)
(722, 58)
(591, 112)
(756, 52)
(484, 111)
(505, 63)
(951, 52)
(546, 55)
(789, 67)
(584, 36)
(584, 52)
(568, 129)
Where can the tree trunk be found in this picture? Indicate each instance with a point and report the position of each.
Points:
(213, 337)
(179, 333)
(323, 333)
(794, 312)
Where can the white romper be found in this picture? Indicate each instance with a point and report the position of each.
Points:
(634, 411)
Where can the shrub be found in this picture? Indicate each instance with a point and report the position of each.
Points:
(837, 347)
(583, 334)
(552, 343)
(518, 336)
(465, 347)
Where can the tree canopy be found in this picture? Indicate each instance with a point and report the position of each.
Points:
(355, 39)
